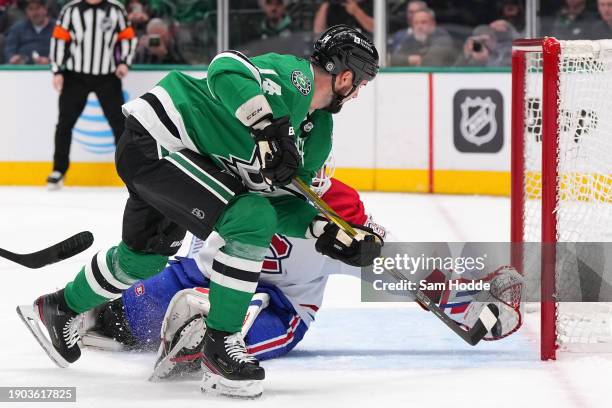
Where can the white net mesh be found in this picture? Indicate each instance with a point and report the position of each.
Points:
(584, 185)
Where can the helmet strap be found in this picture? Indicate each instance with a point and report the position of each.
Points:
(336, 104)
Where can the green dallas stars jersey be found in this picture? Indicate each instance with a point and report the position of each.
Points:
(203, 115)
(200, 114)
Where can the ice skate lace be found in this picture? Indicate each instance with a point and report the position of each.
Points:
(236, 349)
(70, 331)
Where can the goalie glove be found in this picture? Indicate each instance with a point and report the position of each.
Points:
(505, 293)
(337, 244)
(276, 150)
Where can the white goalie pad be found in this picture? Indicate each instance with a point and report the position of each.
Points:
(184, 305)
(505, 293)
(186, 312)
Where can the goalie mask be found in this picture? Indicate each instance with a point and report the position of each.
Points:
(341, 48)
(321, 182)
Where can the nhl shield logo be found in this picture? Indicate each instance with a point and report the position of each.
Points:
(478, 124)
(106, 24)
(478, 120)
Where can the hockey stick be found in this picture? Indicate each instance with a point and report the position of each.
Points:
(488, 315)
(486, 320)
(55, 253)
(322, 206)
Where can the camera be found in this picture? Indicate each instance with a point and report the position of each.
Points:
(154, 40)
(476, 46)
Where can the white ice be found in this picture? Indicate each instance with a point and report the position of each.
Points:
(355, 354)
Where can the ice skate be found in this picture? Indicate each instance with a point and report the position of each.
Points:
(61, 324)
(55, 181)
(228, 368)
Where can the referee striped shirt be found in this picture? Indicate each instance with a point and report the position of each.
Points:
(92, 39)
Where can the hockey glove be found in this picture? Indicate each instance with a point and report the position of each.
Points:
(358, 251)
(276, 149)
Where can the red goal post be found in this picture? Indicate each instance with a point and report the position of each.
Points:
(549, 49)
(561, 153)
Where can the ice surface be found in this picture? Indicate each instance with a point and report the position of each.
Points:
(355, 355)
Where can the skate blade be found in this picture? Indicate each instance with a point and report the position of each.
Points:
(97, 341)
(214, 384)
(30, 318)
(55, 186)
(164, 366)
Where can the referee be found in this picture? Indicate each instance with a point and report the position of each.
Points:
(91, 48)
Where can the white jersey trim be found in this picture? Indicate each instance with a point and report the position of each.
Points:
(174, 115)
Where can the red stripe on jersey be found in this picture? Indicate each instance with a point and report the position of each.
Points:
(278, 342)
(313, 307)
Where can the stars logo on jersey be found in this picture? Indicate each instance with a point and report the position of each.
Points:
(301, 82)
(248, 171)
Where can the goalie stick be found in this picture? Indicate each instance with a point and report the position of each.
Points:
(55, 253)
(488, 315)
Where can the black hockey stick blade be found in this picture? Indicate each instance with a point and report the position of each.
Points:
(486, 320)
(55, 253)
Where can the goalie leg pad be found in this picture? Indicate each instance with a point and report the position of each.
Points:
(182, 334)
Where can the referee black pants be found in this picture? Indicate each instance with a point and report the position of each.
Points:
(72, 101)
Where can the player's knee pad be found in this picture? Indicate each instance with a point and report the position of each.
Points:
(250, 219)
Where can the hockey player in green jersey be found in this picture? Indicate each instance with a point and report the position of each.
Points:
(220, 153)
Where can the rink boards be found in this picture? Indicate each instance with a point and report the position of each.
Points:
(446, 131)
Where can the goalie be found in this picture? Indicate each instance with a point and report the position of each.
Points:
(286, 301)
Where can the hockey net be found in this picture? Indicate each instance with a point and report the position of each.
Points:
(562, 183)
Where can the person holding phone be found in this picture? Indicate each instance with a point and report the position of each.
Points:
(158, 46)
(486, 47)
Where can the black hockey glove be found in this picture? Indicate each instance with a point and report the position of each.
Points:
(277, 152)
(358, 251)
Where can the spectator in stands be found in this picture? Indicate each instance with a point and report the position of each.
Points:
(276, 22)
(486, 48)
(27, 42)
(158, 46)
(402, 35)
(138, 16)
(411, 8)
(427, 45)
(513, 12)
(572, 21)
(602, 29)
(355, 13)
(9, 14)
